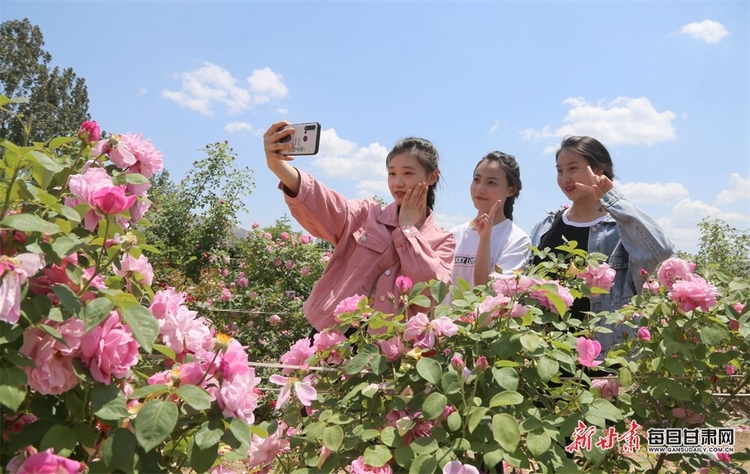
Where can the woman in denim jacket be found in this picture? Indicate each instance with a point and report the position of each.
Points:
(601, 219)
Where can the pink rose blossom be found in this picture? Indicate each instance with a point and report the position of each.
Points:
(297, 354)
(277, 262)
(723, 457)
(289, 265)
(729, 369)
(690, 416)
(403, 283)
(457, 362)
(109, 349)
(306, 239)
(45, 462)
(243, 282)
(455, 467)
(358, 466)
(674, 269)
(226, 295)
(129, 265)
(14, 271)
(89, 131)
(264, 450)
(481, 364)
(53, 373)
(644, 334)
(255, 225)
(284, 236)
(392, 348)
(327, 339)
(347, 305)
(424, 332)
(511, 285)
(304, 271)
(652, 286)
(588, 350)
(237, 399)
(694, 293)
(609, 387)
(84, 186)
(179, 328)
(274, 320)
(234, 361)
(304, 391)
(112, 200)
(602, 276)
(540, 294)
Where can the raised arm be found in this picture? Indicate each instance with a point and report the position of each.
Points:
(276, 160)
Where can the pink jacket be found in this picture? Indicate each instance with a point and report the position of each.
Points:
(372, 250)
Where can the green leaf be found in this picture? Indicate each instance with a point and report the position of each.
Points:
(530, 342)
(506, 377)
(208, 434)
(476, 417)
(195, 396)
(423, 464)
(57, 142)
(54, 333)
(454, 421)
(378, 364)
(538, 443)
(333, 436)
(604, 409)
(144, 325)
(85, 435)
(421, 300)
(201, 459)
(169, 353)
(424, 445)
(73, 216)
(451, 382)
(430, 370)
(507, 397)
(70, 301)
(388, 436)
(493, 458)
(547, 368)
(108, 402)
(434, 405)
(377, 456)
(713, 335)
(357, 363)
(241, 431)
(12, 387)
(135, 178)
(9, 333)
(147, 390)
(369, 434)
(505, 431)
(154, 423)
(61, 438)
(119, 450)
(29, 223)
(438, 290)
(96, 311)
(43, 160)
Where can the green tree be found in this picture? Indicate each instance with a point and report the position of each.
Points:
(282, 224)
(58, 99)
(197, 218)
(725, 248)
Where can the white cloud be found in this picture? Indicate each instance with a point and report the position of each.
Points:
(368, 188)
(684, 116)
(233, 127)
(682, 224)
(142, 91)
(624, 120)
(267, 84)
(282, 110)
(212, 84)
(739, 189)
(712, 32)
(494, 127)
(342, 158)
(448, 221)
(653, 192)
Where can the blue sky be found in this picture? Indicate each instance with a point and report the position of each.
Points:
(664, 85)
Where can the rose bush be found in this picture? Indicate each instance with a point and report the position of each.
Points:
(507, 376)
(98, 372)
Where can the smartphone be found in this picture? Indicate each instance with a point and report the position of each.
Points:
(306, 138)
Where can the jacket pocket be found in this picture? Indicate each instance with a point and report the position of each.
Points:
(370, 247)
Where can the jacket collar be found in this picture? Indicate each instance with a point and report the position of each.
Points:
(389, 216)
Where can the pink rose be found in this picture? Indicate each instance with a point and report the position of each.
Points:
(644, 334)
(674, 269)
(109, 349)
(540, 294)
(304, 271)
(602, 276)
(84, 186)
(455, 467)
(277, 262)
(729, 369)
(53, 373)
(392, 348)
(45, 462)
(89, 131)
(424, 332)
(651, 285)
(481, 364)
(457, 362)
(694, 293)
(306, 239)
(403, 283)
(284, 236)
(113, 200)
(289, 265)
(237, 399)
(297, 354)
(587, 352)
(129, 265)
(327, 339)
(609, 387)
(14, 271)
(348, 305)
(690, 416)
(274, 319)
(358, 466)
(511, 285)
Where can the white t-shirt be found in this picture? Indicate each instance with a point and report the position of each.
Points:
(507, 249)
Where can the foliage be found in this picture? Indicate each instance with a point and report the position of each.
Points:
(57, 99)
(724, 247)
(98, 372)
(198, 217)
(506, 375)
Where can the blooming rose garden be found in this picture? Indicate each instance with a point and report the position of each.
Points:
(110, 364)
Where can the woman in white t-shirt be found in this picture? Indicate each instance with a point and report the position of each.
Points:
(491, 242)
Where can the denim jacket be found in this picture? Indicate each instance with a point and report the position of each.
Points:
(633, 241)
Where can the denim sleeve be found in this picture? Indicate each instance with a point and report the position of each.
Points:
(644, 239)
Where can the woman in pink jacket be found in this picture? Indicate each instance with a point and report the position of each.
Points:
(374, 245)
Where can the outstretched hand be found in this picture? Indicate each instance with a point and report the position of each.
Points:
(483, 224)
(600, 184)
(272, 145)
(413, 211)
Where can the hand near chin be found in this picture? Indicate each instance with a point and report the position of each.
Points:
(600, 184)
(413, 211)
(483, 224)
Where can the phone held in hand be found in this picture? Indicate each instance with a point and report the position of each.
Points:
(306, 138)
